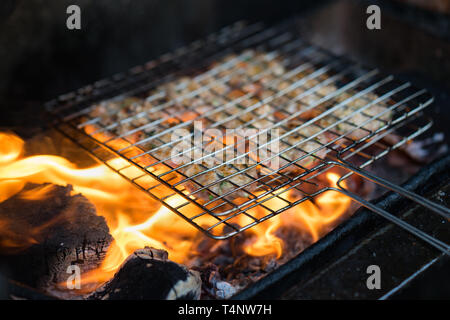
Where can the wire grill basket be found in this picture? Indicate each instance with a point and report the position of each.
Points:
(294, 112)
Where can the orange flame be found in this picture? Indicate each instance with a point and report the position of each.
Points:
(306, 216)
(136, 221)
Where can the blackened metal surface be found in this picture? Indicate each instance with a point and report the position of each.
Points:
(344, 239)
(396, 253)
(423, 285)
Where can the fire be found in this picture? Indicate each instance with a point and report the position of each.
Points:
(313, 218)
(136, 221)
(162, 230)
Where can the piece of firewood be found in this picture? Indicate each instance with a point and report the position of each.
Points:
(41, 237)
(148, 274)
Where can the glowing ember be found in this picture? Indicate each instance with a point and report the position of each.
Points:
(136, 221)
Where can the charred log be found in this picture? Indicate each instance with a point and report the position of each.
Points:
(45, 229)
(148, 274)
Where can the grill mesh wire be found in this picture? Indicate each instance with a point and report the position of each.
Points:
(304, 64)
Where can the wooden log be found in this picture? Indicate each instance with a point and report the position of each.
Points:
(41, 237)
(148, 274)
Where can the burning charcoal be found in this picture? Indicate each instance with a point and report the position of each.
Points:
(147, 274)
(223, 260)
(224, 290)
(269, 263)
(45, 229)
(254, 264)
(214, 285)
(209, 274)
(295, 240)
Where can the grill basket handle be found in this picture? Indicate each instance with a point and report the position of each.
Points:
(434, 207)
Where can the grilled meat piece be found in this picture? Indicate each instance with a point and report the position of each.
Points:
(359, 117)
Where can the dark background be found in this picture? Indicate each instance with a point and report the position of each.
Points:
(41, 59)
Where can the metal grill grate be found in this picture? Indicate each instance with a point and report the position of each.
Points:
(328, 112)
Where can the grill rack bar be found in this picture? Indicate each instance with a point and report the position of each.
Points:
(255, 35)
